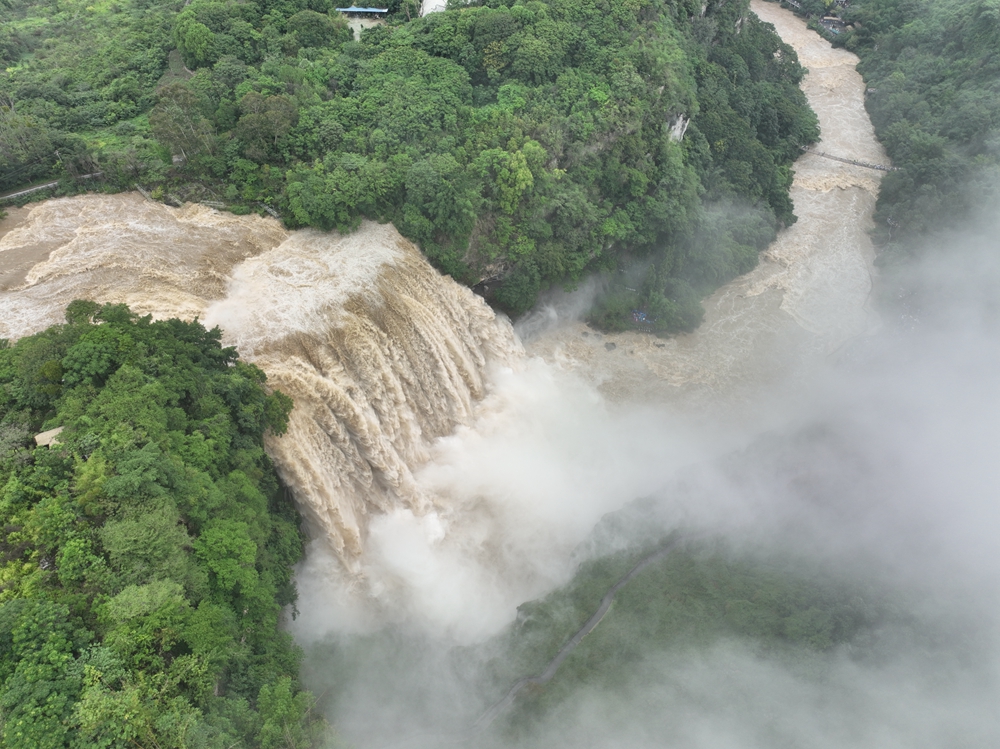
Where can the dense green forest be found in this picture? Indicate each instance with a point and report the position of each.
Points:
(146, 554)
(519, 143)
(932, 68)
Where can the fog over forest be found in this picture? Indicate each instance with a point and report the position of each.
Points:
(882, 472)
(727, 480)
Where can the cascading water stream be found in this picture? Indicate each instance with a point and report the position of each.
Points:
(384, 358)
(381, 354)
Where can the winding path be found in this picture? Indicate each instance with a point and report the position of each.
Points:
(498, 708)
(550, 670)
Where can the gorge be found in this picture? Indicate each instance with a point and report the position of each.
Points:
(384, 356)
(451, 469)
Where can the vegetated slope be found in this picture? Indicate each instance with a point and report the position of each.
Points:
(933, 75)
(520, 144)
(698, 595)
(146, 554)
(72, 72)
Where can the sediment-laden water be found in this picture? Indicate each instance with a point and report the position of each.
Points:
(381, 353)
(384, 357)
(809, 294)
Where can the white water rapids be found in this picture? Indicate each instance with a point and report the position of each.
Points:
(380, 353)
(423, 439)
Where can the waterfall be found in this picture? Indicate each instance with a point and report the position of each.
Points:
(380, 352)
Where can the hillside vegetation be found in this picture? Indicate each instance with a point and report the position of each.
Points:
(147, 553)
(933, 73)
(700, 595)
(519, 143)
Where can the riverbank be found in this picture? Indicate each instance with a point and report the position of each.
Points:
(808, 296)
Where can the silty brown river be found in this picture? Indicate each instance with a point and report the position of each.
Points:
(383, 355)
(808, 296)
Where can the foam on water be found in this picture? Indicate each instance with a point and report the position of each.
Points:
(381, 353)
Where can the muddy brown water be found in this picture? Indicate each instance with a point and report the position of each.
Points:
(383, 355)
(808, 296)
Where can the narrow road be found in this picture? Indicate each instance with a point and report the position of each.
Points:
(500, 707)
(30, 190)
(46, 186)
(550, 670)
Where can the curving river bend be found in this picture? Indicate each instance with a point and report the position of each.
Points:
(453, 532)
(807, 297)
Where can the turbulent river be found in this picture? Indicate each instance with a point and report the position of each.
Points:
(381, 354)
(808, 296)
(449, 466)
(384, 356)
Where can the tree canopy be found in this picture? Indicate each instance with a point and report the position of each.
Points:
(147, 553)
(520, 143)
